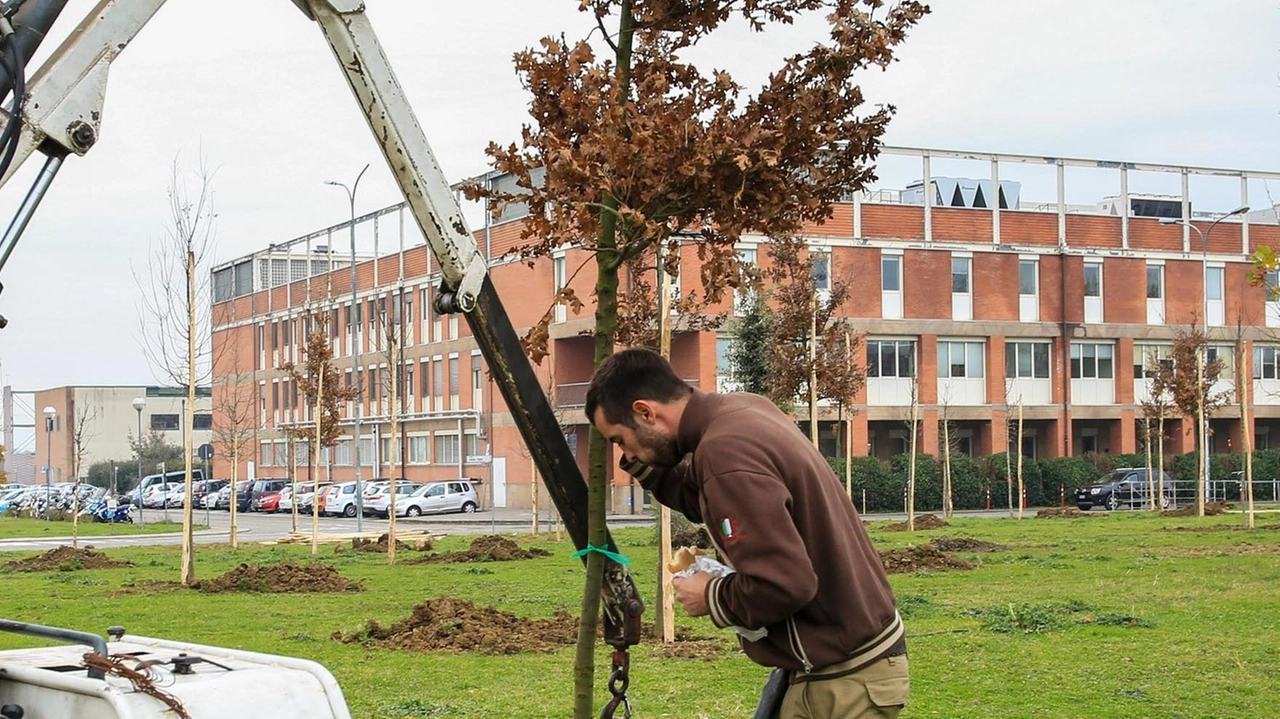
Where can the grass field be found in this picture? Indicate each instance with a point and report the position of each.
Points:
(13, 527)
(1120, 616)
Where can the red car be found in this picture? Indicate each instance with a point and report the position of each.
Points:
(269, 502)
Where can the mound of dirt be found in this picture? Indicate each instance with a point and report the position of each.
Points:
(1210, 509)
(446, 624)
(360, 544)
(489, 548)
(66, 559)
(285, 577)
(924, 521)
(925, 556)
(965, 544)
(1063, 513)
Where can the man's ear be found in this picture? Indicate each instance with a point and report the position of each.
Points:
(644, 410)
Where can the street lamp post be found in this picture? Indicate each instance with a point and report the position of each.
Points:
(357, 319)
(138, 404)
(1201, 355)
(49, 414)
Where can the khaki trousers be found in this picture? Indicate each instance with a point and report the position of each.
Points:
(878, 691)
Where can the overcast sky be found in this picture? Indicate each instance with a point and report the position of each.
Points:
(250, 86)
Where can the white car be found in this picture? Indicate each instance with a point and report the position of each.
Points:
(456, 495)
(379, 502)
(157, 494)
(340, 499)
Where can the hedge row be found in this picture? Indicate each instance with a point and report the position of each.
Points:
(885, 483)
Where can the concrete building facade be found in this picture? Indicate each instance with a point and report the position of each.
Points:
(1055, 308)
(107, 424)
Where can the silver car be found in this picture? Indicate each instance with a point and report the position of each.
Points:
(455, 495)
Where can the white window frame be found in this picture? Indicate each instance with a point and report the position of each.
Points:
(1155, 305)
(891, 299)
(1215, 308)
(962, 300)
(1093, 304)
(1017, 347)
(1029, 304)
(440, 451)
(559, 280)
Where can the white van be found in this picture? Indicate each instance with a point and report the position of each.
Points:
(454, 495)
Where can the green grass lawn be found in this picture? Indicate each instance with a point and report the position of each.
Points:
(17, 527)
(1122, 616)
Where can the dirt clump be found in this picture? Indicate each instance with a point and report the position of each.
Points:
(923, 557)
(364, 544)
(489, 548)
(286, 577)
(924, 521)
(1063, 513)
(1210, 509)
(66, 559)
(965, 544)
(708, 650)
(446, 624)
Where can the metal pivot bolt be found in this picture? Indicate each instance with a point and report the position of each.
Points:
(82, 135)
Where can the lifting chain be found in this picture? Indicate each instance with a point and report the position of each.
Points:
(618, 681)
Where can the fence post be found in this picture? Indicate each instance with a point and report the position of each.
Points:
(988, 498)
(1062, 495)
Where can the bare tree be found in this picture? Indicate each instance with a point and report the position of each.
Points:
(949, 447)
(391, 332)
(176, 300)
(236, 419)
(1157, 406)
(913, 429)
(80, 437)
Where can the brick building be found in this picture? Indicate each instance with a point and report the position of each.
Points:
(1055, 307)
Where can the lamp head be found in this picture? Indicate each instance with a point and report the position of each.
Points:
(139, 403)
(50, 413)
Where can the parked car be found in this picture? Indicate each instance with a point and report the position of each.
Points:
(250, 496)
(269, 502)
(176, 497)
(455, 495)
(155, 496)
(224, 495)
(306, 495)
(202, 489)
(379, 502)
(1124, 487)
(339, 499)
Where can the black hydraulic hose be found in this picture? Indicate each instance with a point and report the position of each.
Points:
(31, 24)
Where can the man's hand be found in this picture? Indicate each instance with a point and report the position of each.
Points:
(691, 592)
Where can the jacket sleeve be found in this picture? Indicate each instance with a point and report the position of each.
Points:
(751, 521)
(674, 487)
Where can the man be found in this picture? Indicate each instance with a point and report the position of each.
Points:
(805, 569)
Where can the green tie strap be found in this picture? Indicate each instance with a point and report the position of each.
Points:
(602, 550)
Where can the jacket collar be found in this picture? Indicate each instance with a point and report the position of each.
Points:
(697, 415)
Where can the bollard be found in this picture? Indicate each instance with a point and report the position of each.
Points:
(988, 498)
(1062, 495)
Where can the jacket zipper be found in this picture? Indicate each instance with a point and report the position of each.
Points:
(793, 634)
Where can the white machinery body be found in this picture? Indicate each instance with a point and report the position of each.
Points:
(53, 682)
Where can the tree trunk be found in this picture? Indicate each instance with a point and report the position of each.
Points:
(1201, 461)
(293, 479)
(188, 532)
(1160, 455)
(665, 618)
(235, 478)
(911, 462)
(1246, 437)
(315, 485)
(1022, 487)
(1151, 475)
(946, 468)
(813, 368)
(395, 417)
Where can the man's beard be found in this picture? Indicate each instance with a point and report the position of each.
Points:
(661, 448)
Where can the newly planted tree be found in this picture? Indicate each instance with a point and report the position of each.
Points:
(176, 298)
(318, 381)
(1189, 380)
(633, 146)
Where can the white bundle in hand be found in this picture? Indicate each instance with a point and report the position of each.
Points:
(703, 563)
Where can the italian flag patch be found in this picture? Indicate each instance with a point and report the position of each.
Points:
(730, 530)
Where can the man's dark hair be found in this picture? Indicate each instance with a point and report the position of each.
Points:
(630, 375)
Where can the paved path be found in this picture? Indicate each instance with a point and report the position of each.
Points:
(255, 527)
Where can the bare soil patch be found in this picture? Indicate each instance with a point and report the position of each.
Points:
(362, 544)
(924, 521)
(286, 577)
(489, 548)
(1063, 513)
(923, 557)
(965, 544)
(1210, 509)
(148, 586)
(66, 559)
(446, 624)
(1223, 551)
